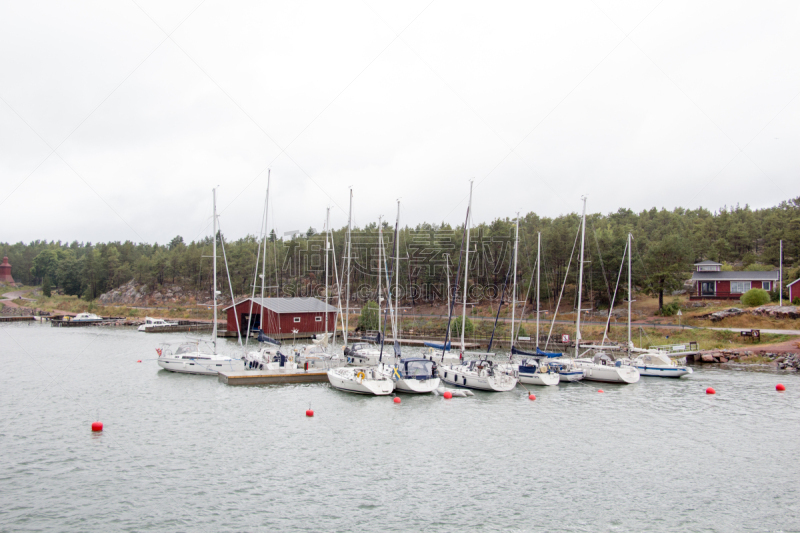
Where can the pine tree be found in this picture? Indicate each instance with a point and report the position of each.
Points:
(46, 287)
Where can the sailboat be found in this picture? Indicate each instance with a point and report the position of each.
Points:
(601, 367)
(481, 373)
(195, 357)
(361, 379)
(530, 370)
(433, 348)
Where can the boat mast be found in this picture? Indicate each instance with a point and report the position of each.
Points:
(347, 270)
(397, 274)
(466, 270)
(538, 270)
(327, 252)
(630, 294)
(514, 287)
(449, 291)
(580, 281)
(380, 247)
(214, 254)
(264, 264)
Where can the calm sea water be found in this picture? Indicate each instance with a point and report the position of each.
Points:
(186, 453)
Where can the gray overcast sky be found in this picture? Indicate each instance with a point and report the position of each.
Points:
(149, 104)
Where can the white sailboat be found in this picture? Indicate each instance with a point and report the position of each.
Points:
(195, 357)
(482, 373)
(600, 367)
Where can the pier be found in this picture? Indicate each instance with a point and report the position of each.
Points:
(16, 318)
(266, 378)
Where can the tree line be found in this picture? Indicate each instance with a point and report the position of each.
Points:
(665, 244)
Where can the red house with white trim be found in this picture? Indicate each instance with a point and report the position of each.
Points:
(794, 290)
(281, 316)
(711, 283)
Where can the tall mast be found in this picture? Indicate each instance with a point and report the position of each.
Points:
(264, 264)
(466, 270)
(630, 293)
(514, 289)
(449, 291)
(397, 274)
(327, 252)
(347, 270)
(380, 247)
(780, 277)
(538, 270)
(214, 254)
(580, 281)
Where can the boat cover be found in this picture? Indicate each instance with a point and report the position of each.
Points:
(264, 338)
(438, 345)
(538, 353)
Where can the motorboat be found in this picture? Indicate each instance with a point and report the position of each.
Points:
(155, 323)
(659, 364)
(415, 375)
(537, 372)
(86, 317)
(361, 380)
(316, 356)
(191, 358)
(482, 374)
(602, 368)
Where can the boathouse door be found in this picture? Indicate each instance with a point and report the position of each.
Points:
(255, 321)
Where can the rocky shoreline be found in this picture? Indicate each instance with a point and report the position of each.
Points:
(770, 311)
(781, 361)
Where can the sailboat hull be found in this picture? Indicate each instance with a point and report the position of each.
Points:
(540, 378)
(360, 381)
(207, 367)
(458, 377)
(663, 371)
(610, 374)
(417, 386)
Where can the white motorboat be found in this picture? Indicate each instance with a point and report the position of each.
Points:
(316, 356)
(190, 358)
(361, 380)
(481, 374)
(603, 368)
(659, 364)
(536, 372)
(415, 375)
(86, 317)
(155, 324)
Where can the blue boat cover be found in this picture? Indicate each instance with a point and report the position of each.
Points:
(264, 338)
(438, 345)
(538, 353)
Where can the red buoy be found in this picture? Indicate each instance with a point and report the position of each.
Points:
(447, 395)
(396, 399)
(532, 397)
(710, 390)
(97, 426)
(139, 361)
(600, 390)
(309, 412)
(779, 387)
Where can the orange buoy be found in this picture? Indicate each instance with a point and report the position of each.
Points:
(532, 397)
(396, 399)
(447, 395)
(309, 412)
(97, 426)
(710, 390)
(139, 361)
(600, 390)
(779, 387)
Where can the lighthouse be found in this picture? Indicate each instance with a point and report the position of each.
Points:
(5, 272)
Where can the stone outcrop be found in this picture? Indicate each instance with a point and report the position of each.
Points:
(771, 311)
(783, 361)
(132, 294)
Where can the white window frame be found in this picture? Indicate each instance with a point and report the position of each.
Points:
(317, 319)
(297, 320)
(708, 268)
(765, 285)
(740, 285)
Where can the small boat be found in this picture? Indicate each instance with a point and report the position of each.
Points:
(361, 380)
(86, 317)
(603, 368)
(659, 364)
(190, 358)
(481, 374)
(537, 372)
(415, 375)
(155, 323)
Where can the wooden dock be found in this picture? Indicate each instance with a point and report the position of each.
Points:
(181, 328)
(16, 318)
(80, 323)
(264, 378)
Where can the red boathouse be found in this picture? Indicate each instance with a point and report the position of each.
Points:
(794, 290)
(282, 316)
(711, 283)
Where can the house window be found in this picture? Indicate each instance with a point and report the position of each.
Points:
(708, 268)
(765, 285)
(740, 287)
(317, 319)
(297, 320)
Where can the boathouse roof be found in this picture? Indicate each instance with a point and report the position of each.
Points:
(290, 305)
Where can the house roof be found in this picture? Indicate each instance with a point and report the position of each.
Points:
(792, 283)
(290, 305)
(769, 275)
(708, 262)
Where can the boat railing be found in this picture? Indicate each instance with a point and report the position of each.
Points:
(677, 348)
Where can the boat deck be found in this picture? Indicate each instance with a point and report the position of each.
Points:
(255, 377)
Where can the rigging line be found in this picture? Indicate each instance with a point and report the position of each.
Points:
(527, 295)
(611, 307)
(558, 303)
(53, 150)
(255, 277)
(602, 265)
(228, 271)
